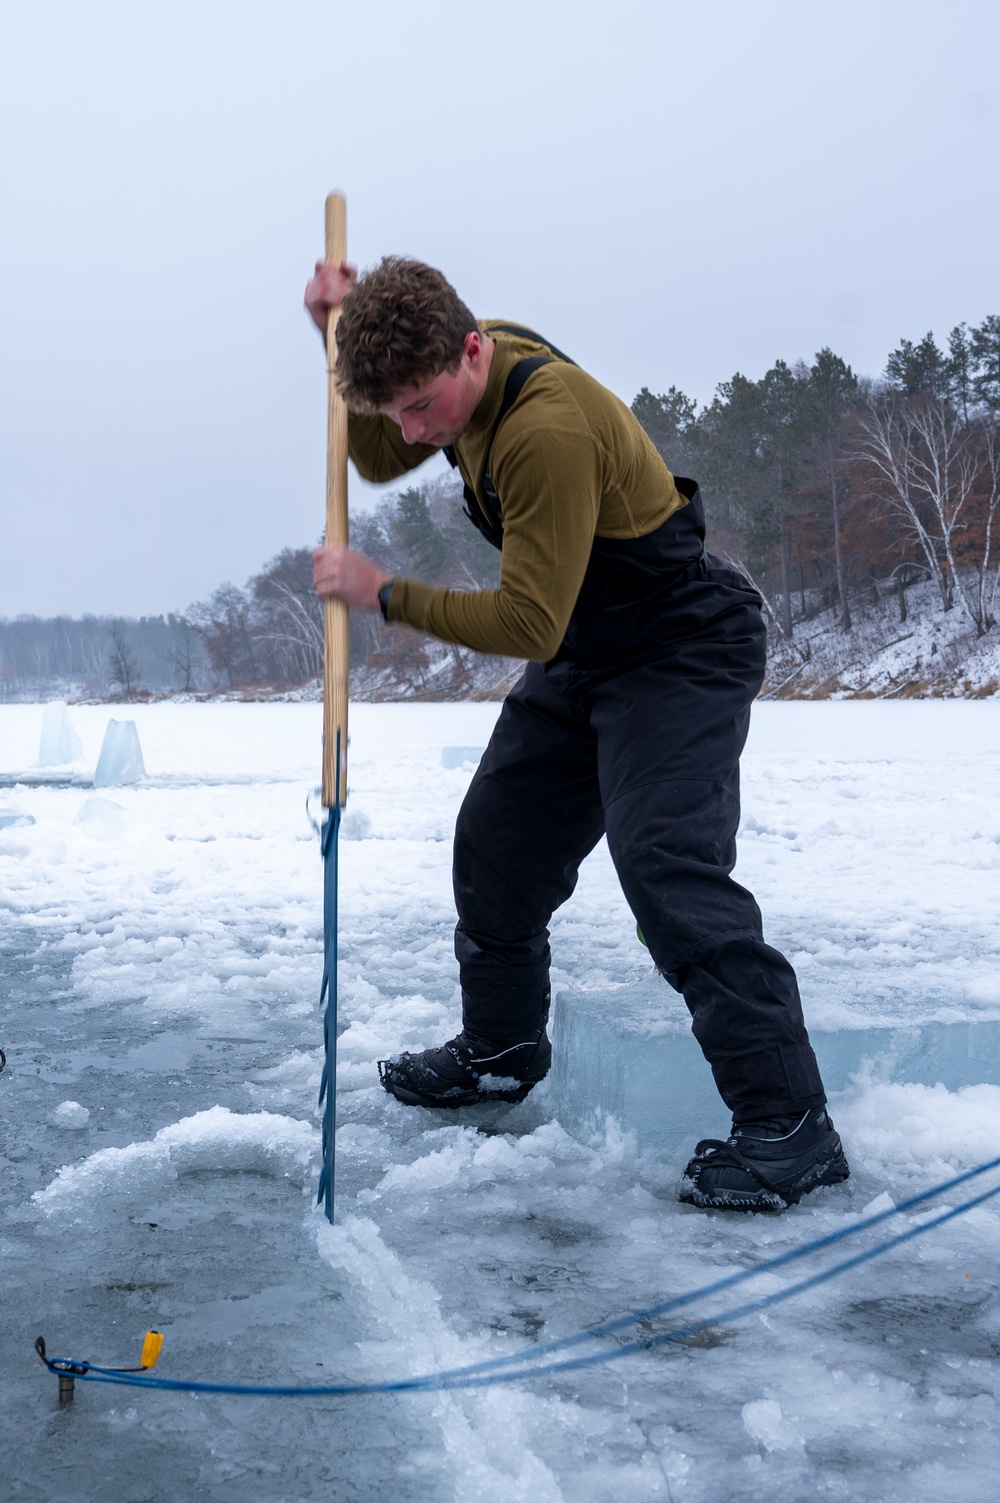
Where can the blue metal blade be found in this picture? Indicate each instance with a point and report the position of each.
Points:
(328, 990)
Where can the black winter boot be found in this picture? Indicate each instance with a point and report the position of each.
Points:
(765, 1166)
(467, 1070)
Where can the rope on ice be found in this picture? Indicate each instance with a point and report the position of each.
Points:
(529, 1363)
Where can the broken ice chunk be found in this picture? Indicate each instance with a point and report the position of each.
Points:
(70, 1115)
(764, 1422)
(102, 819)
(10, 818)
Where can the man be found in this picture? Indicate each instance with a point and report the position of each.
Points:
(644, 657)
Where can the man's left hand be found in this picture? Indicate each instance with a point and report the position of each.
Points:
(348, 576)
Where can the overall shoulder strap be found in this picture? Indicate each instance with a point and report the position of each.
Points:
(492, 527)
(535, 339)
(513, 387)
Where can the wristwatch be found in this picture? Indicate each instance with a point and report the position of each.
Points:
(383, 598)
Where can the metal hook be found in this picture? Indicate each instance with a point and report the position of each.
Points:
(311, 797)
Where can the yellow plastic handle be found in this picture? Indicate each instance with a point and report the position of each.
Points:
(151, 1349)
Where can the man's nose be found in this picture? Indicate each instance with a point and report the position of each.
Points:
(413, 426)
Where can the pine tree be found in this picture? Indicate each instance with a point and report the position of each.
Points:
(782, 405)
(832, 389)
(415, 535)
(985, 343)
(961, 366)
(671, 420)
(917, 369)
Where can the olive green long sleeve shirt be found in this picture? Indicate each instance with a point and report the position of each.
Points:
(570, 462)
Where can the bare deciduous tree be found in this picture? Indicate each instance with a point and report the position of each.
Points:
(224, 623)
(123, 666)
(940, 475)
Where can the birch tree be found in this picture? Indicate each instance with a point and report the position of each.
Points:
(942, 478)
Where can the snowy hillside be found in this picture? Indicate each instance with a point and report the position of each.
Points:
(932, 654)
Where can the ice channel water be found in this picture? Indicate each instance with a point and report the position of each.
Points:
(120, 761)
(60, 743)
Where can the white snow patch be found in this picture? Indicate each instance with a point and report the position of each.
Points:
(217, 1141)
(499, 1083)
(920, 1128)
(487, 1434)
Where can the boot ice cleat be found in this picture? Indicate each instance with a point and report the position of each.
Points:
(465, 1071)
(765, 1166)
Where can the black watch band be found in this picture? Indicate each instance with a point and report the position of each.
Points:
(383, 598)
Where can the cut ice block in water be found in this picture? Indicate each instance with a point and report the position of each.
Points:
(458, 756)
(121, 756)
(629, 1054)
(60, 743)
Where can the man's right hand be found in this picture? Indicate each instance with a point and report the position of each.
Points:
(326, 290)
(348, 576)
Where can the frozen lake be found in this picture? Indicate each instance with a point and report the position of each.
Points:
(160, 963)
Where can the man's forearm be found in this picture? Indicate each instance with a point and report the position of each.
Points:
(491, 621)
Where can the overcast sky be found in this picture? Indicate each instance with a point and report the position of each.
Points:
(670, 191)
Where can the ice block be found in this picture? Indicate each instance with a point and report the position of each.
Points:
(120, 761)
(628, 1053)
(458, 756)
(60, 743)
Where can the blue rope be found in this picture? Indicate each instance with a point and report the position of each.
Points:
(525, 1364)
(730, 1281)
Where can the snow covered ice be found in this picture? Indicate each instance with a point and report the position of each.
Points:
(164, 981)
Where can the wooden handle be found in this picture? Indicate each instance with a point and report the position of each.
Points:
(336, 625)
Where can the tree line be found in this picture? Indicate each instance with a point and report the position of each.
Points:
(99, 656)
(827, 486)
(269, 632)
(829, 489)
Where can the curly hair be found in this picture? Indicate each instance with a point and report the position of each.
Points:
(401, 324)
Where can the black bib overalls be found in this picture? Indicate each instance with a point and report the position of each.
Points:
(634, 729)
